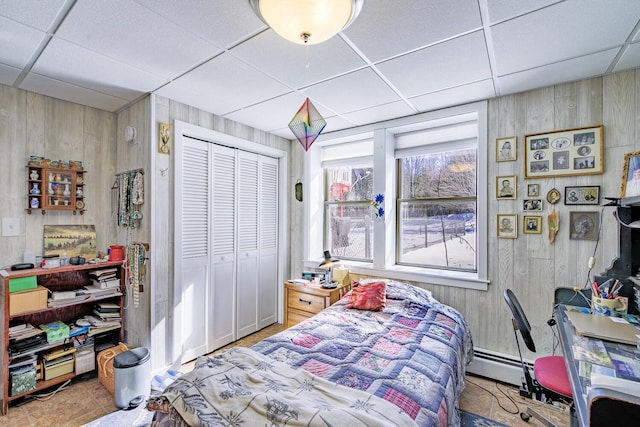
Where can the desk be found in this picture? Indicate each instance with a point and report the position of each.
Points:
(594, 407)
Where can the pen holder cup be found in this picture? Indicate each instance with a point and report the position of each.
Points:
(608, 307)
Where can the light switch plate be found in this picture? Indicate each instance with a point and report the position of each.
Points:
(10, 227)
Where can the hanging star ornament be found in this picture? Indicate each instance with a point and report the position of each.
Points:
(307, 124)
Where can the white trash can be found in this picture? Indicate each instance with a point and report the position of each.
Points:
(131, 376)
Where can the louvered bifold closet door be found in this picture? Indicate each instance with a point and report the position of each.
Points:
(268, 241)
(222, 312)
(247, 283)
(193, 194)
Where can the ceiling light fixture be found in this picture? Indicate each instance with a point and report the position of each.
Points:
(307, 21)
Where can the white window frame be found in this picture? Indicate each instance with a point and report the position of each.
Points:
(385, 179)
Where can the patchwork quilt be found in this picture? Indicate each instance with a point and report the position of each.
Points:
(399, 366)
(412, 354)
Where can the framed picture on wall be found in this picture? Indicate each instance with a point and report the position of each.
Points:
(584, 225)
(532, 205)
(631, 175)
(506, 187)
(533, 190)
(582, 195)
(506, 149)
(508, 226)
(532, 224)
(564, 153)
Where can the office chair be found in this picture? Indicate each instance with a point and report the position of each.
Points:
(550, 381)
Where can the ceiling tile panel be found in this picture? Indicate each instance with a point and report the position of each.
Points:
(17, 43)
(379, 113)
(38, 14)
(8, 74)
(565, 71)
(352, 92)
(629, 59)
(65, 61)
(127, 32)
(455, 96)
(223, 85)
(287, 61)
(562, 31)
(388, 28)
(220, 22)
(61, 90)
(499, 10)
(453, 63)
(273, 114)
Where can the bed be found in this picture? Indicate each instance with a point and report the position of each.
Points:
(401, 365)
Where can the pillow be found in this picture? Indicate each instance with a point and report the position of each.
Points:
(368, 296)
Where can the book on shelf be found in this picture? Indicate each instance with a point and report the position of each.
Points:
(95, 330)
(106, 283)
(68, 301)
(107, 307)
(107, 316)
(102, 273)
(62, 295)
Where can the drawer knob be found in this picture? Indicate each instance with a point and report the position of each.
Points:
(302, 300)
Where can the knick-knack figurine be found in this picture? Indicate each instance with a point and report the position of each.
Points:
(34, 175)
(50, 190)
(66, 191)
(35, 189)
(35, 203)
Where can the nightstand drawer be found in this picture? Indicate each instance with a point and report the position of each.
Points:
(295, 317)
(305, 302)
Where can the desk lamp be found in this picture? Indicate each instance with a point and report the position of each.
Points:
(328, 262)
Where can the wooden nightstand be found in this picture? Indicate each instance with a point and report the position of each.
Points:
(304, 301)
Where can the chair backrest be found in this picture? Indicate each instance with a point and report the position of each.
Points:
(520, 319)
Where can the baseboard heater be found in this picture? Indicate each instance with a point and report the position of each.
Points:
(498, 366)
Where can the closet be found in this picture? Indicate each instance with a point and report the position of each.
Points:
(226, 241)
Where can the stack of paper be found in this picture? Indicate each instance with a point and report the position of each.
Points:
(105, 278)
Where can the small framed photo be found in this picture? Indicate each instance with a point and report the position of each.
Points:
(506, 187)
(506, 149)
(582, 195)
(631, 175)
(533, 190)
(584, 225)
(532, 224)
(508, 226)
(532, 205)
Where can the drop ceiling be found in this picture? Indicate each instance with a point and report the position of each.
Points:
(398, 58)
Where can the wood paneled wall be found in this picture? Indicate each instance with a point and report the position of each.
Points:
(32, 124)
(533, 268)
(530, 265)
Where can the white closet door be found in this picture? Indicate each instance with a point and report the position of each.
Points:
(192, 246)
(268, 242)
(247, 284)
(222, 311)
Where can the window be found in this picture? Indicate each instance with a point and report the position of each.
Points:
(432, 170)
(348, 212)
(437, 210)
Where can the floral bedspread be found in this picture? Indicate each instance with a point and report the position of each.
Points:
(240, 387)
(412, 354)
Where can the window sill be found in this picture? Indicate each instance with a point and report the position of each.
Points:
(456, 279)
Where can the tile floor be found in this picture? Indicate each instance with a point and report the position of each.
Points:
(86, 400)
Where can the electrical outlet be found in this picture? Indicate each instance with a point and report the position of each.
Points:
(10, 227)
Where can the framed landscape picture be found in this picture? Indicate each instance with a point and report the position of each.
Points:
(566, 152)
(74, 240)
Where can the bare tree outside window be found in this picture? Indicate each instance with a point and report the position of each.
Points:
(437, 210)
